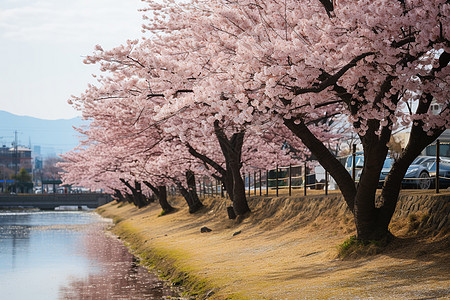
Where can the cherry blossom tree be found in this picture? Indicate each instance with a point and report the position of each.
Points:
(181, 115)
(380, 63)
(122, 113)
(221, 79)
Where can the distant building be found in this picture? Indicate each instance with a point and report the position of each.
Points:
(37, 150)
(15, 159)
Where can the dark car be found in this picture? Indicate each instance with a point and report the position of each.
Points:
(385, 171)
(444, 173)
(418, 175)
(423, 168)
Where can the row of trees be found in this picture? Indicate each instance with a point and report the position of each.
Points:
(216, 87)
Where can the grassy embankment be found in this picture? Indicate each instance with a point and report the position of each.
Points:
(286, 249)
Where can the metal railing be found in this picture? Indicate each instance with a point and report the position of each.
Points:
(297, 179)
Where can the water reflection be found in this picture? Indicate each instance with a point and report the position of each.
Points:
(119, 277)
(17, 235)
(66, 255)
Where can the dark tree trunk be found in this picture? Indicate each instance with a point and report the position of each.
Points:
(375, 226)
(192, 189)
(225, 174)
(129, 198)
(326, 159)
(142, 200)
(190, 194)
(371, 221)
(232, 151)
(240, 204)
(366, 212)
(161, 193)
(228, 181)
(138, 198)
(163, 199)
(119, 196)
(230, 177)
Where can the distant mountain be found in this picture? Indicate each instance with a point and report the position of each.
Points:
(52, 136)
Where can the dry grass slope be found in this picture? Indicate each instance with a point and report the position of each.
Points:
(286, 249)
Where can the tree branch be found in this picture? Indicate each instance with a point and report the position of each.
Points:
(332, 79)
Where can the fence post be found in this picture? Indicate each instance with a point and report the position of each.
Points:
(354, 162)
(276, 179)
(204, 188)
(260, 183)
(254, 183)
(267, 183)
(290, 180)
(437, 165)
(243, 175)
(249, 177)
(326, 182)
(304, 179)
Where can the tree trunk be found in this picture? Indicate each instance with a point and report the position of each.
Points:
(230, 177)
(228, 181)
(129, 198)
(196, 204)
(118, 195)
(167, 208)
(232, 151)
(326, 159)
(139, 199)
(366, 213)
(417, 142)
(161, 193)
(225, 174)
(373, 224)
(190, 194)
(240, 204)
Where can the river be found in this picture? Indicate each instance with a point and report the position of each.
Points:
(68, 255)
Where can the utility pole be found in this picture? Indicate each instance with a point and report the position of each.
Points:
(16, 154)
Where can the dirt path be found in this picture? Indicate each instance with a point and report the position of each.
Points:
(276, 254)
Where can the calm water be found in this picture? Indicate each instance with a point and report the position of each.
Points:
(67, 255)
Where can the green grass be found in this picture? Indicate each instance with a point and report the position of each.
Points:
(354, 248)
(162, 213)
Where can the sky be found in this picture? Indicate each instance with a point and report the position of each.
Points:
(42, 45)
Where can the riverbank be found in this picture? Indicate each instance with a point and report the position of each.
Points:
(287, 249)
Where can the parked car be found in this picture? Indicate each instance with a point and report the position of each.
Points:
(385, 171)
(417, 175)
(423, 168)
(359, 163)
(444, 173)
